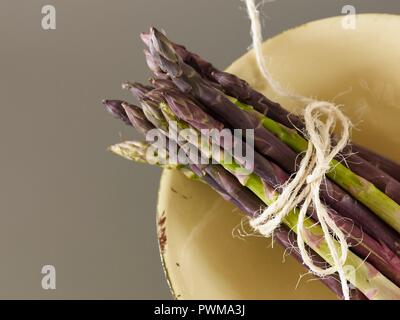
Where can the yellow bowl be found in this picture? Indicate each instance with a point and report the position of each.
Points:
(359, 69)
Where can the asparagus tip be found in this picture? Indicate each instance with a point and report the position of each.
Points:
(164, 54)
(115, 108)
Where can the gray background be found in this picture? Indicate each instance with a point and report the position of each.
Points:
(64, 200)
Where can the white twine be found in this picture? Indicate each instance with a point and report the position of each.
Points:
(320, 118)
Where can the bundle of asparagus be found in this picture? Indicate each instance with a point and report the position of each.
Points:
(187, 93)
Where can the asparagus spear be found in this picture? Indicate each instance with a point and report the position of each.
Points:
(187, 79)
(189, 111)
(241, 90)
